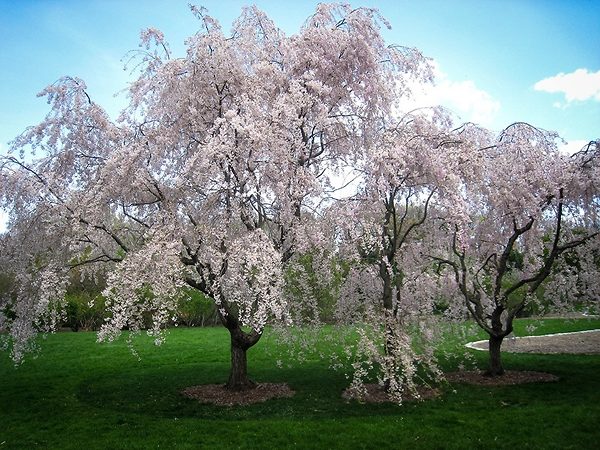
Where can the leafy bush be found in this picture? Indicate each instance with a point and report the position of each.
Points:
(196, 310)
(84, 311)
(6, 296)
(313, 282)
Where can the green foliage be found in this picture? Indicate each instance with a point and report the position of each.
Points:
(7, 282)
(84, 303)
(196, 310)
(515, 260)
(78, 393)
(85, 306)
(304, 280)
(84, 311)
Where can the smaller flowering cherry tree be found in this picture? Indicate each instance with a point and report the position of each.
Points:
(575, 277)
(528, 205)
(409, 175)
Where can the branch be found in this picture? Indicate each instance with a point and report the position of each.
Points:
(101, 258)
(502, 264)
(132, 217)
(536, 280)
(419, 222)
(63, 203)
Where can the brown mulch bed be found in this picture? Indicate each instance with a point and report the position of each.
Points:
(376, 394)
(581, 343)
(510, 377)
(216, 394)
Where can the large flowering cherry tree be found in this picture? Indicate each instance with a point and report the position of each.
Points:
(527, 206)
(204, 180)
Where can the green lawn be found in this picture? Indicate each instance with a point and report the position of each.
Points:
(84, 395)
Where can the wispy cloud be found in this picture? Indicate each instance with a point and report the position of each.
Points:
(580, 85)
(463, 97)
(573, 146)
(3, 221)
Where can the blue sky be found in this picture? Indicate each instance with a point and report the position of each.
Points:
(491, 55)
(498, 61)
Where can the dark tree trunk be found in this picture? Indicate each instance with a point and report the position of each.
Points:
(389, 351)
(238, 375)
(389, 344)
(495, 367)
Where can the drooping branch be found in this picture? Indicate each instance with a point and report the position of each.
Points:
(101, 258)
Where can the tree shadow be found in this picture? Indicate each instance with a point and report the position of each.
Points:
(158, 393)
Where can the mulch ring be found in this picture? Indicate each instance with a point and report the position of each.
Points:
(510, 377)
(217, 394)
(376, 394)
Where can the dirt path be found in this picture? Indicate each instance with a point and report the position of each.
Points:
(580, 342)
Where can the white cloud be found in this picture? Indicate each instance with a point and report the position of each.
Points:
(3, 221)
(3, 215)
(579, 85)
(462, 97)
(574, 146)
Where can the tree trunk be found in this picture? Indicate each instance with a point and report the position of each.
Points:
(390, 353)
(495, 368)
(389, 316)
(238, 375)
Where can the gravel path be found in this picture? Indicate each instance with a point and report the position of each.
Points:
(580, 342)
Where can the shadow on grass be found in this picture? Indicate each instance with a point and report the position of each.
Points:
(156, 392)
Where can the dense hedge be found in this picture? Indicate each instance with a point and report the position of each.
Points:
(85, 311)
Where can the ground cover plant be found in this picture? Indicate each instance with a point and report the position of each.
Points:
(101, 396)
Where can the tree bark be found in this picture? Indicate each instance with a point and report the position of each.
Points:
(495, 364)
(389, 344)
(389, 352)
(238, 375)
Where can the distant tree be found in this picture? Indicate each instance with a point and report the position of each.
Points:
(204, 180)
(527, 205)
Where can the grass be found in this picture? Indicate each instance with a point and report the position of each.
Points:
(80, 394)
